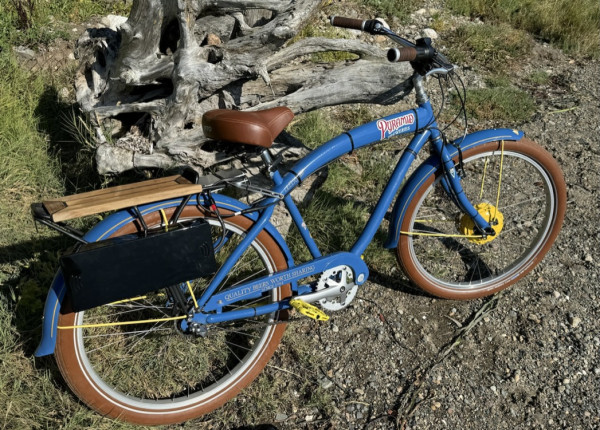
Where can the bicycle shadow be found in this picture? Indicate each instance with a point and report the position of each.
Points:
(29, 265)
(334, 235)
(36, 260)
(397, 282)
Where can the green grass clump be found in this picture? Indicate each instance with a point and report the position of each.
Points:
(42, 22)
(573, 26)
(335, 222)
(500, 104)
(27, 171)
(539, 77)
(315, 128)
(328, 32)
(495, 47)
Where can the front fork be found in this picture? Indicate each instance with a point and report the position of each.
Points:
(451, 182)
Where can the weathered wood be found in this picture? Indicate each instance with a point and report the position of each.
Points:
(172, 60)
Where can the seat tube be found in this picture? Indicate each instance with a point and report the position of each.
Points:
(299, 221)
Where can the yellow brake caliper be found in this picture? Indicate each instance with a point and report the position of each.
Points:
(491, 214)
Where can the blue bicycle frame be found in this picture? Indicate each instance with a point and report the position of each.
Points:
(420, 121)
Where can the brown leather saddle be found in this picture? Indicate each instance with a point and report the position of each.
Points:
(258, 128)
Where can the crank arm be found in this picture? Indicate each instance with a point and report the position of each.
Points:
(323, 294)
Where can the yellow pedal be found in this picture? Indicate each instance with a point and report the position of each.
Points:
(309, 310)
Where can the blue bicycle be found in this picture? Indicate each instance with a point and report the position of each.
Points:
(472, 219)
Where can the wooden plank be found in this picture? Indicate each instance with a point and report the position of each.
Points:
(117, 195)
(53, 206)
(120, 197)
(135, 185)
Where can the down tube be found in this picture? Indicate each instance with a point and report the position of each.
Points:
(408, 156)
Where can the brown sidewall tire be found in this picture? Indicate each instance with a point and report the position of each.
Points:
(76, 377)
(523, 146)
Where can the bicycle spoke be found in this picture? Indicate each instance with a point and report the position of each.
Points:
(462, 262)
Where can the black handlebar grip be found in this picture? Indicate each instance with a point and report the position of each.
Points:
(353, 23)
(403, 54)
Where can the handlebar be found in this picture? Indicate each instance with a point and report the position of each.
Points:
(422, 55)
(368, 25)
(395, 55)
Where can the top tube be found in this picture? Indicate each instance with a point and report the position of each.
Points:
(405, 122)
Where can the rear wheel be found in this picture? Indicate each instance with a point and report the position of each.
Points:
(527, 216)
(152, 373)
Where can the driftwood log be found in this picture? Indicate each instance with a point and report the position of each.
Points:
(147, 80)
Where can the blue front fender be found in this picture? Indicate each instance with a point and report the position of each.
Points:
(430, 166)
(103, 230)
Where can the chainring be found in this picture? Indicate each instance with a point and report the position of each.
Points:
(340, 276)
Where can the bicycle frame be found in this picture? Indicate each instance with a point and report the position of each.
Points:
(420, 121)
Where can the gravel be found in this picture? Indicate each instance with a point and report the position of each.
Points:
(401, 359)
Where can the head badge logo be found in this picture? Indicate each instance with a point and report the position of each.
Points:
(390, 127)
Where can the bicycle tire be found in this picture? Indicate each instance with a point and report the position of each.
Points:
(144, 376)
(456, 267)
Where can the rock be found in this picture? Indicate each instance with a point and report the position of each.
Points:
(280, 417)
(113, 21)
(574, 321)
(64, 93)
(326, 383)
(24, 53)
(431, 33)
(213, 39)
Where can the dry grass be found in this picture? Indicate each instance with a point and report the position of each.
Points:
(571, 25)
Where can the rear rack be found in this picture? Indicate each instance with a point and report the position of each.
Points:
(53, 213)
(120, 197)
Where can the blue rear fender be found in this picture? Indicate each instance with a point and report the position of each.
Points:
(430, 166)
(103, 230)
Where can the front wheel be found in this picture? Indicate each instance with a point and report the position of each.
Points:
(519, 187)
(151, 372)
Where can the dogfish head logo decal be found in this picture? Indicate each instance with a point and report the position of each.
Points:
(391, 127)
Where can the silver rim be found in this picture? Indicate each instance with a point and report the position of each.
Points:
(196, 393)
(527, 203)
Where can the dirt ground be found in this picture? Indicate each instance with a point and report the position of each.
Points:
(527, 358)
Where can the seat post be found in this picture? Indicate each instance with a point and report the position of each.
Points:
(271, 165)
(267, 157)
